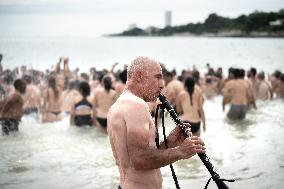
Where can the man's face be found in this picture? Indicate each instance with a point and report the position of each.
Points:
(152, 83)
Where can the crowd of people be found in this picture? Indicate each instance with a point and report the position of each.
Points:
(87, 97)
(122, 103)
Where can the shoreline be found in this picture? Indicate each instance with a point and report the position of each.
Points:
(230, 34)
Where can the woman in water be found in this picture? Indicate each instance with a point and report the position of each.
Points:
(82, 112)
(104, 98)
(190, 104)
(52, 102)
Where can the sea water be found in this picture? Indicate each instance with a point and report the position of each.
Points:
(60, 156)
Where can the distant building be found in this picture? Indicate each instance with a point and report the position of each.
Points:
(276, 23)
(168, 18)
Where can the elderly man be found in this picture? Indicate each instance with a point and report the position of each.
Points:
(132, 131)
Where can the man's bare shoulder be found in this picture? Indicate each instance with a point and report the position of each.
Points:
(125, 105)
(230, 83)
(131, 101)
(246, 83)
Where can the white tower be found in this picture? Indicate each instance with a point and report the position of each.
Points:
(168, 18)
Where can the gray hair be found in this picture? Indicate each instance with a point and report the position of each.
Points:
(139, 63)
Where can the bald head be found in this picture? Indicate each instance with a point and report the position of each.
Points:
(140, 64)
(145, 79)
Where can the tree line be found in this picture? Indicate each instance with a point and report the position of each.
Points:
(265, 23)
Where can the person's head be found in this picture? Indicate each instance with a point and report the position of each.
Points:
(220, 70)
(208, 80)
(242, 73)
(100, 75)
(210, 71)
(168, 76)
(8, 77)
(145, 79)
(189, 84)
(23, 69)
(123, 76)
(237, 73)
(84, 76)
(52, 82)
(20, 85)
(277, 74)
(174, 72)
(84, 88)
(27, 79)
(107, 83)
(196, 75)
(251, 73)
(282, 77)
(65, 60)
(73, 85)
(53, 85)
(261, 76)
(230, 73)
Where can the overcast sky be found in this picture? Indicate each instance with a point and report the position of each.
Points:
(97, 17)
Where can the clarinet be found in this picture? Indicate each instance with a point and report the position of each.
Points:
(215, 176)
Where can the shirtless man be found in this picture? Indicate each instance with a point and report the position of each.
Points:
(275, 80)
(252, 80)
(32, 97)
(11, 110)
(237, 92)
(173, 87)
(132, 132)
(209, 87)
(264, 91)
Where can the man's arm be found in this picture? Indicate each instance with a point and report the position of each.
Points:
(57, 66)
(144, 156)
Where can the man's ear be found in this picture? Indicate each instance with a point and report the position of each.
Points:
(138, 76)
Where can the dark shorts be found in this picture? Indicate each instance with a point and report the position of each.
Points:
(195, 126)
(9, 124)
(81, 120)
(30, 110)
(237, 112)
(102, 122)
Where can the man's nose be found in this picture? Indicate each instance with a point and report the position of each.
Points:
(162, 84)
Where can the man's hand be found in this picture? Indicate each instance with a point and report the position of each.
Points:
(191, 146)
